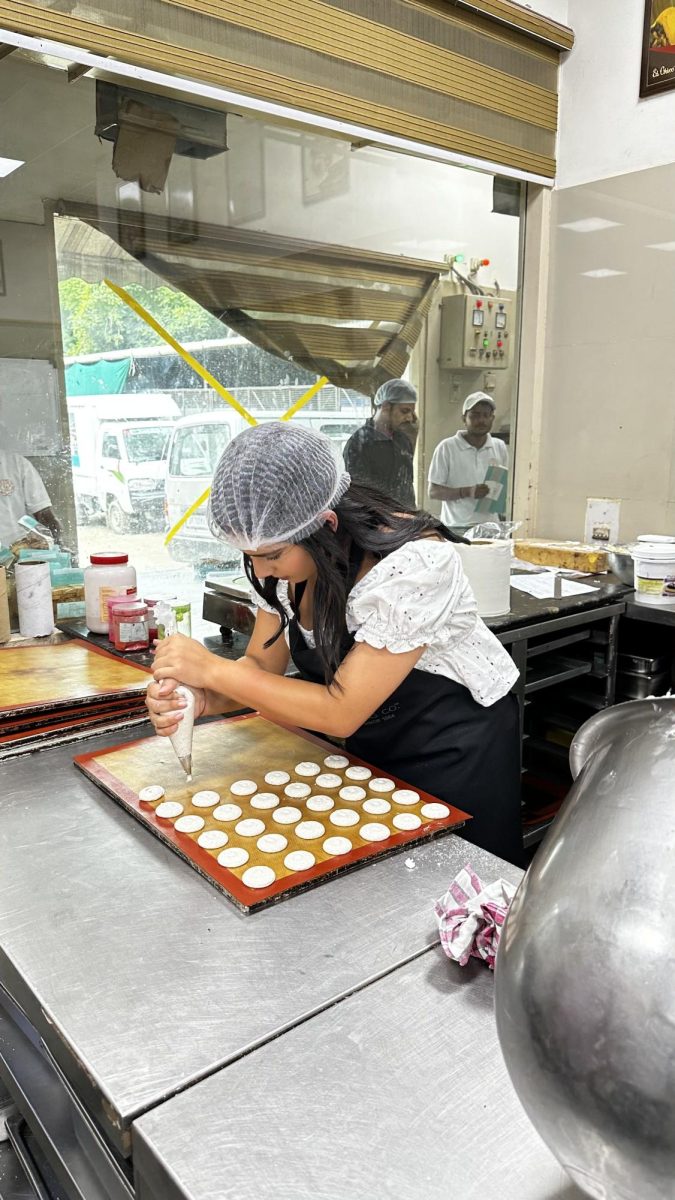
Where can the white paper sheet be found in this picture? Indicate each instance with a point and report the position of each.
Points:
(520, 564)
(543, 586)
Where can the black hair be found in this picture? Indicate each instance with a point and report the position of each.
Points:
(369, 522)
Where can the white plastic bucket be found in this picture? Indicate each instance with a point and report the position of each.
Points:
(655, 571)
(487, 566)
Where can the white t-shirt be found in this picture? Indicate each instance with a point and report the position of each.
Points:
(21, 491)
(456, 463)
(420, 596)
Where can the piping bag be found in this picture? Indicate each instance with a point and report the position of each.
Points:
(181, 740)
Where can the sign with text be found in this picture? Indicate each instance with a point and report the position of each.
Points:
(658, 48)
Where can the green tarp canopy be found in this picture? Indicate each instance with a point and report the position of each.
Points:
(98, 378)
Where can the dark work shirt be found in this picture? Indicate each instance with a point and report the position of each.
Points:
(386, 463)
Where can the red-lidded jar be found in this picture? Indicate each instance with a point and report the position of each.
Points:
(152, 619)
(112, 602)
(109, 574)
(130, 626)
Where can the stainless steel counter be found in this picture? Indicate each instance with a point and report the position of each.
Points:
(399, 1091)
(657, 614)
(141, 978)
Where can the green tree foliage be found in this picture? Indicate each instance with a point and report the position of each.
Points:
(95, 321)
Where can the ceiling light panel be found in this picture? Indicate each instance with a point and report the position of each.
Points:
(590, 225)
(7, 165)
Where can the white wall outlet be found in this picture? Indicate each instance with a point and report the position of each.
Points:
(602, 521)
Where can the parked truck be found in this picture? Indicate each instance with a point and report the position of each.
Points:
(119, 446)
(197, 443)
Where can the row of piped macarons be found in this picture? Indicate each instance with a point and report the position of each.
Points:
(274, 843)
(288, 814)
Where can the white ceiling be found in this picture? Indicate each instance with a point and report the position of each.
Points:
(48, 123)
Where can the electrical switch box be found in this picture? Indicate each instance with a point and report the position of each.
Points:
(476, 332)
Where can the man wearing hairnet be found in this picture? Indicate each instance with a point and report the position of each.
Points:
(460, 463)
(381, 452)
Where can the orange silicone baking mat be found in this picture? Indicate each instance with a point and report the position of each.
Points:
(49, 677)
(87, 718)
(289, 840)
(38, 720)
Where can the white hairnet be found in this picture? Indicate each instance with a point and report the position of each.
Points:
(272, 484)
(395, 391)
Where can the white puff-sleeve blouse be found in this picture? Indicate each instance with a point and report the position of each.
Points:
(420, 596)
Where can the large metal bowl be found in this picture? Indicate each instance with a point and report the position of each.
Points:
(620, 563)
(585, 974)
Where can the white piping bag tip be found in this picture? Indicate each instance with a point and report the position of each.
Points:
(181, 740)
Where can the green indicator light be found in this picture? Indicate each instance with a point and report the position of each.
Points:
(486, 342)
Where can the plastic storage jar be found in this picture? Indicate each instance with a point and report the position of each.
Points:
(655, 571)
(130, 626)
(112, 603)
(110, 574)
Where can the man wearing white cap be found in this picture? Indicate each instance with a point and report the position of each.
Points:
(460, 463)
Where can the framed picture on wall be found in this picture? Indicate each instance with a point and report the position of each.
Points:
(658, 48)
(325, 168)
(3, 289)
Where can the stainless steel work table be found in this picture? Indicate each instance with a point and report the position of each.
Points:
(399, 1092)
(141, 978)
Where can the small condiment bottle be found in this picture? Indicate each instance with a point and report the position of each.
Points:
(130, 626)
(174, 616)
(152, 619)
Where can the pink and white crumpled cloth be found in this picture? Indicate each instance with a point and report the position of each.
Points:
(471, 915)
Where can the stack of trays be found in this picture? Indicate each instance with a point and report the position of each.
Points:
(640, 676)
(60, 693)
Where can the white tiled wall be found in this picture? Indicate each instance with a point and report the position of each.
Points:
(609, 386)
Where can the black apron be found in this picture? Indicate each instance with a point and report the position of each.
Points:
(432, 734)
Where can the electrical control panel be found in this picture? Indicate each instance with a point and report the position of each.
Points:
(476, 332)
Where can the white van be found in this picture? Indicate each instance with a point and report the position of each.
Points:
(119, 446)
(197, 443)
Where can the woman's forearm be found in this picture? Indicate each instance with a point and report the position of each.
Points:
(309, 705)
(217, 703)
(365, 679)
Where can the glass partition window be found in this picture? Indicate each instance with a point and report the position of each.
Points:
(191, 256)
(147, 445)
(196, 449)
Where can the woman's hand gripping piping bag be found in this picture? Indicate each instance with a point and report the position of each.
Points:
(176, 693)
